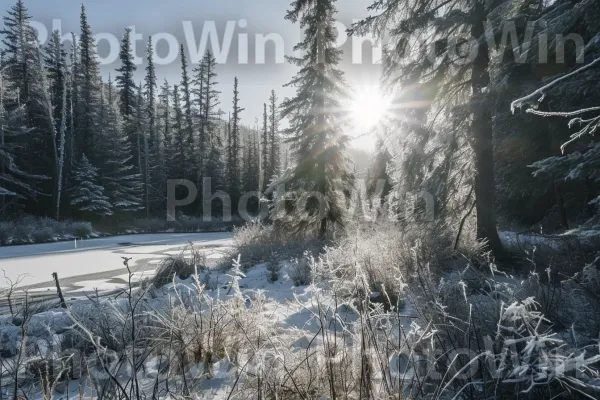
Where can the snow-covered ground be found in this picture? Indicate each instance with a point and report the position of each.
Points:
(98, 263)
(288, 311)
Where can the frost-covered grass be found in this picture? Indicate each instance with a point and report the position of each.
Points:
(31, 229)
(379, 313)
(258, 243)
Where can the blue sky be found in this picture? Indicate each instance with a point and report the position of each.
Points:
(151, 17)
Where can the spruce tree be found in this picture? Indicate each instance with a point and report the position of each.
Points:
(210, 142)
(25, 76)
(274, 156)
(234, 150)
(88, 81)
(14, 181)
(61, 149)
(188, 123)
(72, 102)
(18, 55)
(166, 148)
(462, 92)
(150, 87)
(264, 154)
(146, 167)
(158, 174)
(119, 177)
(251, 172)
(179, 138)
(87, 194)
(228, 153)
(315, 133)
(199, 95)
(56, 65)
(124, 78)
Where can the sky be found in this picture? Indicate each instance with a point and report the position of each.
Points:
(187, 21)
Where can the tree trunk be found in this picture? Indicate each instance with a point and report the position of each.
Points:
(483, 143)
(321, 124)
(61, 150)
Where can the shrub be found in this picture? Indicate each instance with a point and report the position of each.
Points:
(258, 243)
(152, 225)
(22, 233)
(81, 229)
(273, 267)
(43, 235)
(6, 232)
(40, 230)
(300, 270)
(183, 266)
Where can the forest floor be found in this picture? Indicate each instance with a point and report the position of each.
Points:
(233, 331)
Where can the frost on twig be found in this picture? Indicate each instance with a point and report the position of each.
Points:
(588, 125)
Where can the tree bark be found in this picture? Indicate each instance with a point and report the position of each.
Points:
(483, 139)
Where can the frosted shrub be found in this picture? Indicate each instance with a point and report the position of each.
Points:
(42, 235)
(41, 230)
(6, 232)
(152, 225)
(81, 229)
(583, 300)
(182, 266)
(273, 268)
(300, 271)
(258, 243)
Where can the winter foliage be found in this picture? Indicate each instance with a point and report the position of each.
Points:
(55, 107)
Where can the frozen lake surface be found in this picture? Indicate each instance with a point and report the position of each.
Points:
(98, 261)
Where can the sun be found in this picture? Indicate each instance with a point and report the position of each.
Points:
(368, 108)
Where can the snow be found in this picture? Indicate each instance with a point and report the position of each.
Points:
(93, 256)
(291, 309)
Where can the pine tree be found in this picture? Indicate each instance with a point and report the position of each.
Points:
(56, 65)
(463, 92)
(150, 86)
(124, 80)
(188, 124)
(210, 141)
(166, 150)
(87, 194)
(199, 95)
(228, 153)
(158, 174)
(25, 75)
(234, 150)
(315, 133)
(72, 102)
(146, 167)
(88, 89)
(18, 55)
(251, 173)
(179, 139)
(274, 156)
(264, 154)
(119, 177)
(62, 139)
(15, 183)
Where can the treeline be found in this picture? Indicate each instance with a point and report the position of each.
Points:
(73, 145)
